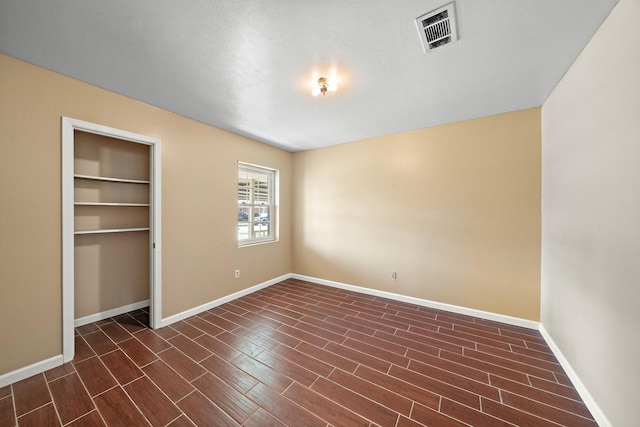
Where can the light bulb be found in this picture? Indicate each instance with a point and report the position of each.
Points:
(332, 86)
(315, 91)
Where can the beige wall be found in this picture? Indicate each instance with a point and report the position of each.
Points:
(199, 172)
(453, 209)
(591, 215)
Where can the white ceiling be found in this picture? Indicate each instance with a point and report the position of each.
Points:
(246, 65)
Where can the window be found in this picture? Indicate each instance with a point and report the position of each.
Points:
(256, 204)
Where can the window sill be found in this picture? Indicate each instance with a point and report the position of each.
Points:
(261, 242)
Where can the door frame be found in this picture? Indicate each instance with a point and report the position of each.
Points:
(69, 126)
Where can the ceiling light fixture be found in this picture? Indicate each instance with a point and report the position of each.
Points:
(323, 85)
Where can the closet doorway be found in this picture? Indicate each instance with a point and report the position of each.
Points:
(111, 248)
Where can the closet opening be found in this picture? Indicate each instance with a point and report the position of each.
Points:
(111, 227)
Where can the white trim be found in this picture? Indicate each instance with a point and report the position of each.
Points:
(68, 303)
(516, 321)
(208, 306)
(110, 313)
(587, 398)
(155, 234)
(30, 370)
(272, 204)
(69, 125)
(594, 408)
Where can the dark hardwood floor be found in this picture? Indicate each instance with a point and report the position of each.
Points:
(301, 354)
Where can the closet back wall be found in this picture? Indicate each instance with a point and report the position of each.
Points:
(199, 200)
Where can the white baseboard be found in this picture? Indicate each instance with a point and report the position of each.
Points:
(44, 365)
(208, 306)
(29, 371)
(110, 313)
(52, 362)
(596, 411)
(587, 398)
(516, 321)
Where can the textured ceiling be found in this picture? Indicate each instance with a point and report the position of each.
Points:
(246, 66)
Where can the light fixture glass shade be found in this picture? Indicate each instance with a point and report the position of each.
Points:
(323, 86)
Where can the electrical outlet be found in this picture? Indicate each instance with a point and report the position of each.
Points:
(394, 275)
(237, 274)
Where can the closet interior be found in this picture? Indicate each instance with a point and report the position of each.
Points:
(111, 224)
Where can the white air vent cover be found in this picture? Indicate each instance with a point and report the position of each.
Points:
(438, 27)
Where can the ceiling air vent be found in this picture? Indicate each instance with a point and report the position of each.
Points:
(438, 27)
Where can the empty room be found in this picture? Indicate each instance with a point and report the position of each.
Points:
(416, 213)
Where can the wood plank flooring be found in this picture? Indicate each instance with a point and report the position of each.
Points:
(302, 354)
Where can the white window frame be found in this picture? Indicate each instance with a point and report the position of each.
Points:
(271, 203)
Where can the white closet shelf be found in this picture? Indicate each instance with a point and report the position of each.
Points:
(109, 204)
(105, 178)
(111, 230)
